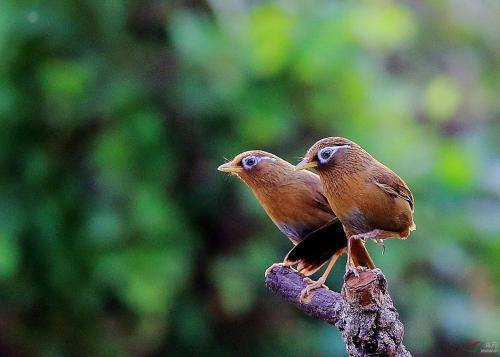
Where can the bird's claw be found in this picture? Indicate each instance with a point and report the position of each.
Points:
(274, 265)
(353, 270)
(358, 236)
(312, 285)
(308, 280)
(370, 235)
(380, 243)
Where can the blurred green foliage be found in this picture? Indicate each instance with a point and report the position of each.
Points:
(119, 237)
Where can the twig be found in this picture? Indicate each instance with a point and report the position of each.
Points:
(364, 312)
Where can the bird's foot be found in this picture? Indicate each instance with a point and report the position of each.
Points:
(350, 269)
(380, 243)
(305, 294)
(268, 270)
(365, 236)
(377, 235)
(308, 280)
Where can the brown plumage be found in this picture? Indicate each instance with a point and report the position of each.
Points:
(370, 200)
(295, 202)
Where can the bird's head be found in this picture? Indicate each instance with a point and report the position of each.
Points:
(327, 153)
(257, 166)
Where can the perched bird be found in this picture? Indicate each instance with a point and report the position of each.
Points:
(369, 199)
(295, 202)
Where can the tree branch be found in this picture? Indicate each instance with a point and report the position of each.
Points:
(364, 312)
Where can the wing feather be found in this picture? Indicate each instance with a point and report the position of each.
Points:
(394, 186)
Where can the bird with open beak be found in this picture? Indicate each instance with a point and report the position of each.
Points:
(295, 202)
(369, 199)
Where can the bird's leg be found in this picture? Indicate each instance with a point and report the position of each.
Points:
(350, 265)
(313, 285)
(377, 235)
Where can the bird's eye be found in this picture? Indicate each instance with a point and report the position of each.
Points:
(324, 155)
(328, 153)
(249, 162)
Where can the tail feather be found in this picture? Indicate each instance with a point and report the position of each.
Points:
(319, 246)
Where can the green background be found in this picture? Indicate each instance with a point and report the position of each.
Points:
(119, 237)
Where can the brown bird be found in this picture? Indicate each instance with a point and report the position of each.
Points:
(295, 202)
(369, 199)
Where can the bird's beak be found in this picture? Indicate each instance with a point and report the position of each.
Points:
(305, 164)
(229, 168)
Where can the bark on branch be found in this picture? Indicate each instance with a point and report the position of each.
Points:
(364, 312)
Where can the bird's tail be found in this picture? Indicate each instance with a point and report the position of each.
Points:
(320, 245)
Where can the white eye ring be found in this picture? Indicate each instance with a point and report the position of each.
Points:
(250, 161)
(327, 153)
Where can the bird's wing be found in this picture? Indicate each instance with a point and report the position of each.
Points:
(394, 186)
(322, 203)
(317, 193)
